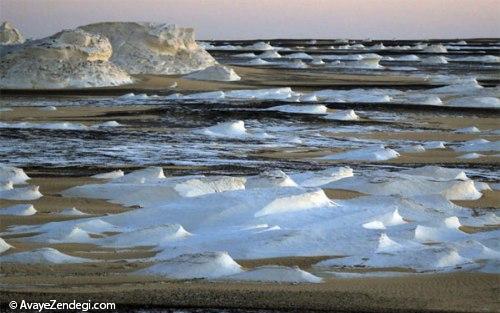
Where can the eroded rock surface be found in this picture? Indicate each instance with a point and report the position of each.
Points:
(68, 59)
(149, 48)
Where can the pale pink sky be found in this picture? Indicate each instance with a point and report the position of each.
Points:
(246, 19)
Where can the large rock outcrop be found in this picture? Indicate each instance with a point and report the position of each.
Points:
(9, 35)
(68, 59)
(149, 48)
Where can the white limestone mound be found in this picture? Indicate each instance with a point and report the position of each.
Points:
(245, 55)
(43, 255)
(260, 46)
(407, 58)
(462, 86)
(367, 63)
(48, 108)
(133, 96)
(107, 124)
(319, 178)
(317, 61)
(19, 209)
(21, 193)
(12, 174)
(138, 189)
(109, 175)
(342, 115)
(427, 234)
(377, 153)
(150, 48)
(438, 48)
(382, 222)
(474, 102)
(296, 64)
(481, 186)
(275, 274)
(437, 173)
(468, 130)
(301, 109)
(215, 73)
(411, 184)
(150, 236)
(9, 35)
(451, 259)
(471, 156)
(374, 225)
(270, 54)
(434, 145)
(72, 212)
(387, 245)
(64, 235)
(478, 145)
(68, 59)
(305, 201)
(356, 95)
(191, 266)
(379, 46)
(6, 186)
(437, 59)
(308, 98)
(96, 225)
(257, 61)
(299, 55)
(206, 185)
(148, 174)
(413, 149)
(268, 179)
(419, 257)
(4, 246)
(227, 129)
(283, 93)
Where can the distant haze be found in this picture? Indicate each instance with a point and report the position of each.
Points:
(249, 19)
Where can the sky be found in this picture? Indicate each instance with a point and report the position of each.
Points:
(252, 19)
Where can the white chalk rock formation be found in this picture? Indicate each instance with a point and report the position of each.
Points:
(149, 48)
(42, 255)
(68, 59)
(216, 73)
(9, 35)
(4, 246)
(19, 209)
(12, 174)
(199, 265)
(276, 274)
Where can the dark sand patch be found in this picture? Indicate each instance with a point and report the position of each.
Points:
(342, 194)
(457, 292)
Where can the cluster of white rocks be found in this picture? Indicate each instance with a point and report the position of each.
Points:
(68, 59)
(104, 54)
